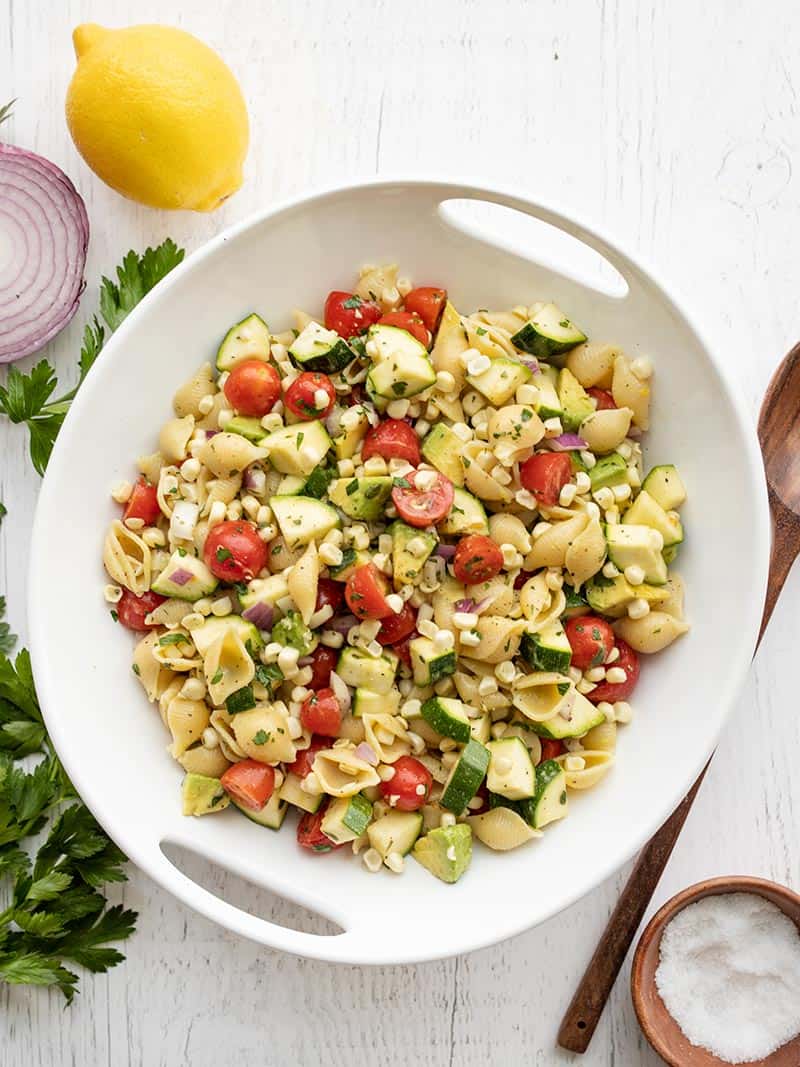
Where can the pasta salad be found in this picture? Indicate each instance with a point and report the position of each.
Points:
(395, 568)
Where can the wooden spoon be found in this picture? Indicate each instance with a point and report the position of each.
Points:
(779, 434)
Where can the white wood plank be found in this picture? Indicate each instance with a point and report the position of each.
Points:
(674, 125)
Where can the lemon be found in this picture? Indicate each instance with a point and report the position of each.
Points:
(157, 115)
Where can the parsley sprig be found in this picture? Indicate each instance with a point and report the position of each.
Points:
(55, 913)
(25, 398)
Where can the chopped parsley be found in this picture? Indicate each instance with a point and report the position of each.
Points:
(352, 302)
(136, 670)
(260, 737)
(172, 639)
(351, 487)
(114, 615)
(299, 439)
(223, 553)
(217, 677)
(398, 388)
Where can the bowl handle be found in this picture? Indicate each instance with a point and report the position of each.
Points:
(356, 942)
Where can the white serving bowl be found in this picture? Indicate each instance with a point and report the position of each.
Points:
(112, 742)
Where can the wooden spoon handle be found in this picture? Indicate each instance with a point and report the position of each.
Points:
(586, 1007)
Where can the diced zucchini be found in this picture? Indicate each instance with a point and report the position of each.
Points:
(185, 577)
(547, 650)
(348, 441)
(576, 603)
(207, 633)
(429, 663)
(271, 815)
(361, 498)
(291, 793)
(407, 565)
(609, 470)
(548, 406)
(646, 511)
(248, 339)
(393, 342)
(264, 591)
(203, 795)
(548, 334)
(576, 404)
(368, 702)
(442, 448)
(351, 558)
(291, 485)
(447, 717)
(510, 769)
(445, 851)
(297, 449)
(582, 717)
(346, 818)
(467, 515)
(395, 832)
(499, 382)
(245, 427)
(665, 486)
(302, 519)
(550, 799)
(321, 350)
(611, 596)
(480, 728)
(401, 376)
(362, 671)
(466, 776)
(639, 546)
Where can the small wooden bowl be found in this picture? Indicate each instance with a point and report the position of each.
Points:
(660, 1029)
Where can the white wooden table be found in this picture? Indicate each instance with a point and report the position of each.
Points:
(673, 124)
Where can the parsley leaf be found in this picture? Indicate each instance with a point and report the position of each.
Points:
(26, 398)
(5, 111)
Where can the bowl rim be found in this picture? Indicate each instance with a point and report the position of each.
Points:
(650, 942)
(449, 188)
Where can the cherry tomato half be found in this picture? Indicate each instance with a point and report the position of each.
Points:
(250, 782)
(323, 660)
(478, 559)
(310, 835)
(365, 593)
(629, 662)
(545, 475)
(253, 387)
(396, 627)
(304, 396)
(304, 761)
(329, 592)
(321, 714)
(409, 775)
(131, 609)
(234, 552)
(409, 322)
(605, 401)
(591, 639)
(403, 648)
(349, 314)
(392, 439)
(424, 507)
(143, 503)
(429, 303)
(551, 749)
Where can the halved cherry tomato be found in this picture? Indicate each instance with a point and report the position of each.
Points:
(304, 761)
(250, 782)
(310, 835)
(403, 648)
(427, 302)
(551, 749)
(131, 609)
(301, 396)
(253, 387)
(234, 552)
(605, 401)
(424, 507)
(409, 322)
(478, 559)
(591, 639)
(323, 660)
(321, 713)
(349, 314)
(392, 439)
(365, 593)
(329, 592)
(545, 475)
(396, 627)
(629, 662)
(408, 775)
(143, 503)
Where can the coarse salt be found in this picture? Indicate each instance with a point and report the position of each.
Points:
(729, 974)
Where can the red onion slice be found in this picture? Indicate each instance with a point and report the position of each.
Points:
(260, 615)
(343, 623)
(367, 753)
(44, 233)
(445, 551)
(181, 576)
(532, 364)
(567, 442)
(466, 605)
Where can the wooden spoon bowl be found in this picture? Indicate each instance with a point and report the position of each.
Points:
(659, 1027)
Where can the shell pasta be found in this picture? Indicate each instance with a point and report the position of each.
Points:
(394, 569)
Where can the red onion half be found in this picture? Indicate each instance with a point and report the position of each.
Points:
(566, 442)
(44, 232)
